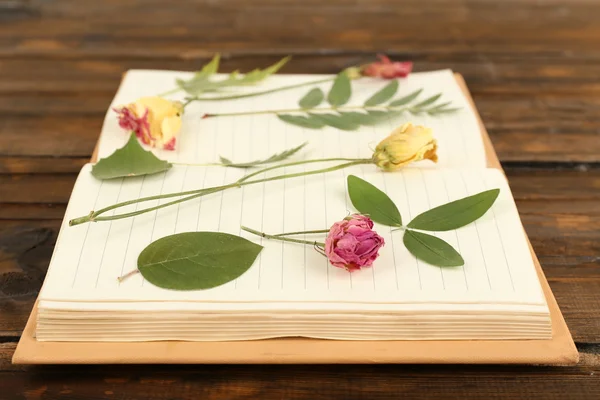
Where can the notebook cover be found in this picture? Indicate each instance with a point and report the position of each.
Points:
(560, 350)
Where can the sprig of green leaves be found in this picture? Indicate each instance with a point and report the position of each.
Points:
(376, 109)
(201, 82)
(371, 201)
(132, 160)
(274, 158)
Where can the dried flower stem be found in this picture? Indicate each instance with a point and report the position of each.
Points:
(127, 275)
(321, 109)
(282, 238)
(245, 95)
(303, 232)
(95, 216)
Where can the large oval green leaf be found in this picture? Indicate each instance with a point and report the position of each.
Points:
(196, 260)
(312, 99)
(455, 214)
(340, 91)
(383, 95)
(432, 250)
(129, 160)
(371, 201)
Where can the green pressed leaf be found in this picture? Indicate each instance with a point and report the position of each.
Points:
(432, 250)
(443, 111)
(274, 158)
(129, 160)
(312, 99)
(439, 107)
(301, 120)
(344, 120)
(358, 118)
(427, 101)
(200, 79)
(340, 91)
(383, 95)
(371, 117)
(336, 120)
(406, 99)
(210, 68)
(196, 260)
(369, 200)
(255, 75)
(201, 83)
(225, 161)
(455, 214)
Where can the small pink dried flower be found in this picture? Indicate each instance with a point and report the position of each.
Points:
(352, 243)
(387, 69)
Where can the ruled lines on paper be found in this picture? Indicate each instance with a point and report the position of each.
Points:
(202, 140)
(90, 257)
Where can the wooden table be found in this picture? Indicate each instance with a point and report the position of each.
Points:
(533, 68)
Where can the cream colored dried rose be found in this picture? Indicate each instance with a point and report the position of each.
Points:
(404, 145)
(155, 121)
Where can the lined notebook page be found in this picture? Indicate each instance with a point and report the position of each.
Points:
(499, 269)
(202, 140)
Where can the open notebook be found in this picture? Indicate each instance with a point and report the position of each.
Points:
(259, 136)
(291, 290)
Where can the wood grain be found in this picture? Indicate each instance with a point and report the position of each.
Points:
(533, 70)
(302, 382)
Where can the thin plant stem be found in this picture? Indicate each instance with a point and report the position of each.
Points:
(245, 95)
(194, 192)
(292, 110)
(96, 215)
(127, 275)
(281, 238)
(201, 165)
(302, 232)
(145, 210)
(168, 92)
(291, 164)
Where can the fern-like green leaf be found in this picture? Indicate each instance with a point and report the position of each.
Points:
(274, 158)
(342, 122)
(301, 120)
(383, 95)
(406, 99)
(312, 99)
(201, 82)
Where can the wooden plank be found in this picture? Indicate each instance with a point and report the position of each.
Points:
(49, 135)
(41, 165)
(546, 145)
(519, 75)
(51, 188)
(35, 211)
(312, 382)
(451, 26)
(25, 251)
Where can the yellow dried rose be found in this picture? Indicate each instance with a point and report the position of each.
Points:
(404, 145)
(155, 121)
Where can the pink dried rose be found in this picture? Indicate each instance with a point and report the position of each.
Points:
(387, 69)
(155, 121)
(352, 243)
